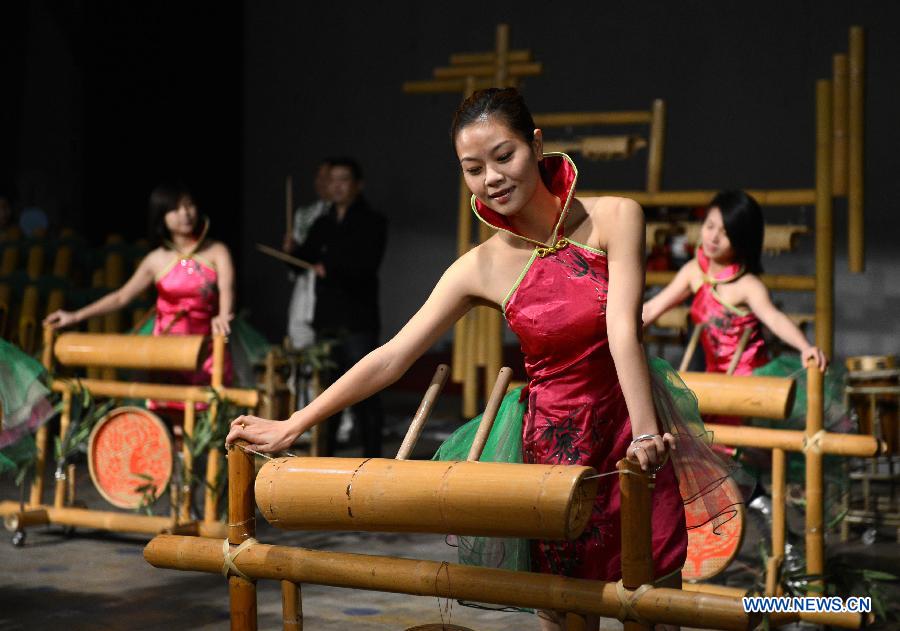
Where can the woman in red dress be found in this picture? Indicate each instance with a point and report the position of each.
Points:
(568, 275)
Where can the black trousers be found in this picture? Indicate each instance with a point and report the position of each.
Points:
(348, 347)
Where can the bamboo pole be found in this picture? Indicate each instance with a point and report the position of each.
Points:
(635, 517)
(9, 261)
(417, 577)
(424, 411)
(163, 392)
(464, 498)
(860, 446)
(241, 526)
(28, 319)
(187, 462)
(62, 262)
(579, 119)
(501, 68)
(501, 385)
(65, 418)
(839, 120)
(291, 606)
(777, 282)
(520, 69)
(824, 226)
(40, 438)
(657, 144)
(856, 150)
(773, 566)
(691, 348)
(152, 352)
(815, 537)
(787, 197)
(742, 395)
(742, 344)
(211, 503)
(70, 484)
(514, 56)
(438, 86)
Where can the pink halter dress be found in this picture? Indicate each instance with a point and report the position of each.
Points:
(724, 324)
(187, 301)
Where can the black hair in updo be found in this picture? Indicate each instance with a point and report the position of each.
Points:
(505, 104)
(744, 225)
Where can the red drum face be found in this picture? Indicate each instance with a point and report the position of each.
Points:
(711, 550)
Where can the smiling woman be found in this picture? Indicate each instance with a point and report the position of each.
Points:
(568, 275)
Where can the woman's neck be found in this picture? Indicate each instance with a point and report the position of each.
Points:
(184, 243)
(538, 217)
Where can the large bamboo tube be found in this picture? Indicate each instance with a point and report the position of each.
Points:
(780, 282)
(815, 537)
(520, 69)
(154, 352)
(776, 557)
(136, 390)
(856, 445)
(741, 395)
(635, 517)
(501, 385)
(424, 411)
(824, 226)
(839, 119)
(65, 418)
(96, 519)
(417, 577)
(787, 197)
(777, 237)
(211, 503)
(241, 526)
(657, 144)
(578, 119)
(856, 150)
(464, 498)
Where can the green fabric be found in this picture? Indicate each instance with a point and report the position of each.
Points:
(504, 444)
(23, 395)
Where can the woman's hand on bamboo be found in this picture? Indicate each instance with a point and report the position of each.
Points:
(814, 353)
(60, 319)
(263, 435)
(650, 450)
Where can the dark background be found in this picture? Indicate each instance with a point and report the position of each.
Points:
(101, 100)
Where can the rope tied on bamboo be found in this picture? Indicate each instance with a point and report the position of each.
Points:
(814, 443)
(228, 566)
(627, 601)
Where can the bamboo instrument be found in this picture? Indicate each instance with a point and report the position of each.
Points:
(62, 262)
(824, 252)
(465, 498)
(839, 120)
(417, 577)
(35, 262)
(856, 150)
(635, 513)
(424, 411)
(776, 238)
(10, 260)
(657, 143)
(501, 385)
(598, 147)
(470, 365)
(40, 438)
(156, 352)
(742, 344)
(815, 524)
(759, 397)
(500, 69)
(241, 526)
(136, 390)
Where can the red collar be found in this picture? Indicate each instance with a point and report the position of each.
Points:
(559, 174)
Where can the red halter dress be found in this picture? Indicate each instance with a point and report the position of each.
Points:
(576, 412)
(724, 324)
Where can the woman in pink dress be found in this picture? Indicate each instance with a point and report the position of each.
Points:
(568, 275)
(193, 275)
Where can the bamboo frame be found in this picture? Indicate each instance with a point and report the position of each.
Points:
(779, 530)
(856, 150)
(839, 120)
(824, 228)
(635, 518)
(211, 500)
(241, 526)
(656, 145)
(815, 523)
(513, 56)
(516, 69)
(859, 446)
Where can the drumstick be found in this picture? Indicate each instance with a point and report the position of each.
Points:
(418, 422)
(281, 256)
(490, 413)
(289, 204)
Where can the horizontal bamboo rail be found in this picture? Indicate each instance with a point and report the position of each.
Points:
(146, 352)
(786, 197)
(575, 119)
(856, 445)
(775, 282)
(513, 56)
(518, 69)
(464, 498)
(158, 391)
(448, 580)
(777, 237)
(440, 86)
(758, 397)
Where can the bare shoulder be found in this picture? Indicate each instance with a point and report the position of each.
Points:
(612, 216)
(750, 284)
(156, 259)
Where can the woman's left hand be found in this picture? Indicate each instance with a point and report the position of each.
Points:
(814, 353)
(650, 452)
(221, 324)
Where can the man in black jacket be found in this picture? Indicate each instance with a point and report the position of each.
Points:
(346, 245)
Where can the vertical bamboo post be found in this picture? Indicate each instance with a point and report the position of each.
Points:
(241, 526)
(187, 462)
(65, 417)
(211, 505)
(501, 58)
(637, 555)
(824, 226)
(269, 385)
(70, 484)
(291, 606)
(815, 562)
(773, 566)
(40, 439)
(656, 146)
(463, 243)
(424, 411)
(839, 120)
(856, 147)
(501, 385)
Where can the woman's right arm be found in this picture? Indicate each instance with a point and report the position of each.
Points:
(451, 298)
(672, 294)
(139, 281)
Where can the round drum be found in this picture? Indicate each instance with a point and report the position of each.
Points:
(129, 448)
(873, 393)
(711, 549)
